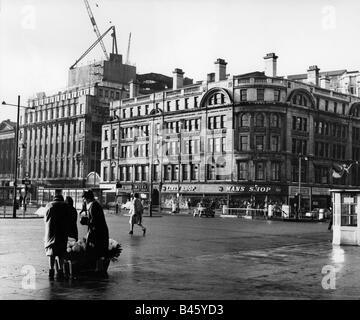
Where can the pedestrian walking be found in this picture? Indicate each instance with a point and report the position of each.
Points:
(73, 230)
(331, 220)
(97, 239)
(136, 213)
(173, 206)
(189, 205)
(56, 221)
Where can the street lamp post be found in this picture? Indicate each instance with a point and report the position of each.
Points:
(16, 148)
(179, 164)
(299, 187)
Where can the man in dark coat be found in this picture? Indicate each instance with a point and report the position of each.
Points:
(56, 234)
(97, 243)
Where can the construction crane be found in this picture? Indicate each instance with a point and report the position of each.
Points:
(114, 46)
(96, 29)
(128, 50)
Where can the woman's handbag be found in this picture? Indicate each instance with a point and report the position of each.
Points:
(84, 220)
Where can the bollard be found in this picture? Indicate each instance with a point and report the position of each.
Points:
(4, 211)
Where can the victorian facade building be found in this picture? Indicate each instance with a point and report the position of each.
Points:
(7, 156)
(233, 138)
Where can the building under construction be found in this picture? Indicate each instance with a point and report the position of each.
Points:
(62, 135)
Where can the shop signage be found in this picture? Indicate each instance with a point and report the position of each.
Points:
(294, 190)
(126, 187)
(320, 191)
(140, 187)
(183, 188)
(251, 189)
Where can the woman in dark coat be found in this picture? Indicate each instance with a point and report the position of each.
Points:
(73, 230)
(56, 221)
(97, 243)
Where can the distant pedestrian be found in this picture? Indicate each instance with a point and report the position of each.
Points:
(21, 199)
(331, 220)
(189, 205)
(173, 206)
(56, 221)
(136, 213)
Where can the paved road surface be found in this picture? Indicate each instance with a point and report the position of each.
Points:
(182, 257)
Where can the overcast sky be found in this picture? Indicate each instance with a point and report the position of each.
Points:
(40, 40)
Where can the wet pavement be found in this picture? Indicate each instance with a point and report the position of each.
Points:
(182, 257)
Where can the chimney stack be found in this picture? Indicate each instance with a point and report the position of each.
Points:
(178, 79)
(313, 75)
(220, 70)
(134, 88)
(211, 77)
(271, 64)
(325, 82)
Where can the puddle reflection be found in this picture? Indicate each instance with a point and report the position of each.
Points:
(337, 254)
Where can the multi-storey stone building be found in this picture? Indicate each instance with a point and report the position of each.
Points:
(233, 138)
(343, 81)
(7, 148)
(62, 134)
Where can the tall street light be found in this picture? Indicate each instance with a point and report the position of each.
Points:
(16, 147)
(299, 187)
(179, 164)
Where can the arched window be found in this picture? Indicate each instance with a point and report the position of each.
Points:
(300, 100)
(245, 120)
(305, 101)
(259, 120)
(274, 120)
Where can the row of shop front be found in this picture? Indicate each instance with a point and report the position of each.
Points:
(232, 194)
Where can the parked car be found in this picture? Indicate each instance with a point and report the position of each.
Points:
(317, 212)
